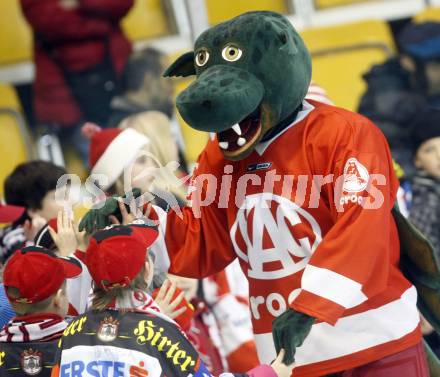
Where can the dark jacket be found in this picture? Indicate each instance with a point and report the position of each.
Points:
(132, 343)
(391, 103)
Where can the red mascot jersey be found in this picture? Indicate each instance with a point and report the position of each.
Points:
(308, 214)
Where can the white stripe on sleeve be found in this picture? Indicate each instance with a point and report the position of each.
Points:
(332, 286)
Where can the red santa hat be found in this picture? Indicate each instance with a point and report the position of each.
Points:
(112, 150)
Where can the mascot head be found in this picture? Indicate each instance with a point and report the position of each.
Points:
(252, 73)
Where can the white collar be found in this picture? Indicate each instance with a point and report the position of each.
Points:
(307, 108)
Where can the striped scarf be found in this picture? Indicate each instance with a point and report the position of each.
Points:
(33, 328)
(134, 300)
(425, 209)
(140, 301)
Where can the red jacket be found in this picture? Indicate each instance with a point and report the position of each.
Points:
(77, 36)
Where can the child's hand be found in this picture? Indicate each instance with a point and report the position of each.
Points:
(164, 300)
(282, 370)
(65, 237)
(33, 226)
(127, 217)
(134, 212)
(82, 238)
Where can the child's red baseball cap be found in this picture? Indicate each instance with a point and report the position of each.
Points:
(10, 213)
(37, 273)
(115, 256)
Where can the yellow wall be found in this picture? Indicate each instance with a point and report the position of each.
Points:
(340, 73)
(147, 19)
(15, 34)
(219, 11)
(12, 147)
(334, 3)
(429, 14)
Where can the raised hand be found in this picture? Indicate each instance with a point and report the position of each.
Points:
(82, 238)
(65, 236)
(105, 213)
(166, 301)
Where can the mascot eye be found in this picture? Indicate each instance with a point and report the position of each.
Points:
(231, 53)
(202, 58)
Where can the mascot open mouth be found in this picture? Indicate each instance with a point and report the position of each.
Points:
(237, 139)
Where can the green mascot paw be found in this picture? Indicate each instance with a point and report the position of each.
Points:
(99, 218)
(289, 331)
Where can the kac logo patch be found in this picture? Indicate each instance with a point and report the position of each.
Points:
(356, 176)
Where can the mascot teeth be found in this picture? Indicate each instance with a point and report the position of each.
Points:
(241, 141)
(224, 144)
(237, 129)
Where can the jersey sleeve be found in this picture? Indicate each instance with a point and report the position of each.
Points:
(79, 288)
(352, 262)
(195, 240)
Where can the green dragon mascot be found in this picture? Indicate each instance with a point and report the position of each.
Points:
(320, 241)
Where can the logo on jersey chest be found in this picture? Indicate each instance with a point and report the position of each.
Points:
(108, 329)
(274, 236)
(31, 362)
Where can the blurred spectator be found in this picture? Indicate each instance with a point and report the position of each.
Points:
(112, 150)
(159, 152)
(31, 185)
(80, 51)
(144, 89)
(129, 159)
(399, 88)
(34, 281)
(425, 210)
(420, 49)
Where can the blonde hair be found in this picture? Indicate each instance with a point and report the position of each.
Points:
(157, 128)
(102, 299)
(36, 307)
